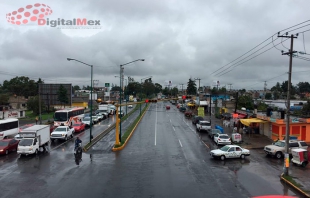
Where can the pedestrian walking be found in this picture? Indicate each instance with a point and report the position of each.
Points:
(37, 120)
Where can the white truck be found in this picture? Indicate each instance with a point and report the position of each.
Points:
(34, 139)
(105, 109)
(62, 132)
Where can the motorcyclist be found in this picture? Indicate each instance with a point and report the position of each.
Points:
(77, 142)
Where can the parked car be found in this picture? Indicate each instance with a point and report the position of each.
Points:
(277, 149)
(182, 109)
(188, 113)
(100, 116)
(221, 139)
(230, 151)
(212, 132)
(8, 145)
(167, 107)
(121, 113)
(78, 127)
(195, 119)
(203, 125)
(130, 106)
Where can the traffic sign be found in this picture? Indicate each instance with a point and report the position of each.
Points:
(107, 84)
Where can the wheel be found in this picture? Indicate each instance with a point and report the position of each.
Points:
(223, 157)
(278, 155)
(71, 135)
(242, 156)
(304, 164)
(66, 138)
(196, 129)
(36, 152)
(7, 152)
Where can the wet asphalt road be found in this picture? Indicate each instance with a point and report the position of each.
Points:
(164, 158)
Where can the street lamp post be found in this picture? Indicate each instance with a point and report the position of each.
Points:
(126, 84)
(120, 82)
(91, 97)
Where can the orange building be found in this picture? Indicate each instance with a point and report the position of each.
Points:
(299, 127)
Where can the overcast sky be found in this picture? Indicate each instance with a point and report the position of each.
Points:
(179, 39)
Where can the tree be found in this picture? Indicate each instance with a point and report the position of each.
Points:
(4, 99)
(268, 96)
(174, 91)
(245, 101)
(158, 88)
(133, 88)
(115, 88)
(62, 95)
(75, 88)
(21, 86)
(191, 87)
(33, 105)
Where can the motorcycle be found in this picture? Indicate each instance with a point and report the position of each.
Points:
(78, 154)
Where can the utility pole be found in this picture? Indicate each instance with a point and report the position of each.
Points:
(236, 102)
(182, 89)
(265, 89)
(198, 84)
(287, 132)
(229, 87)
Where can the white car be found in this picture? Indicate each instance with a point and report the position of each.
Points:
(220, 138)
(129, 106)
(230, 151)
(62, 132)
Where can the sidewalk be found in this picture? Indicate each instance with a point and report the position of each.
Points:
(257, 141)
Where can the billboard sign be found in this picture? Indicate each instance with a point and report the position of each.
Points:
(168, 83)
(49, 93)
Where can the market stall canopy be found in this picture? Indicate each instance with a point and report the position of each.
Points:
(203, 103)
(247, 122)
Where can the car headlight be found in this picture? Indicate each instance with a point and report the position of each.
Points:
(62, 134)
(1, 150)
(30, 149)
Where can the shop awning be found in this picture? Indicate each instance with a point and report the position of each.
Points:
(242, 116)
(247, 122)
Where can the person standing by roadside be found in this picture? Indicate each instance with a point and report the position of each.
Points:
(37, 120)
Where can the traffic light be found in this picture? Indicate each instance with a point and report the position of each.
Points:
(146, 100)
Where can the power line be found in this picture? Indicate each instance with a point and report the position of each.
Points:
(217, 73)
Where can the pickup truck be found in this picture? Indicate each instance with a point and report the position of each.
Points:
(62, 132)
(277, 149)
(203, 125)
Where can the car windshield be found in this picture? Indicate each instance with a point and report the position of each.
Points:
(25, 142)
(4, 143)
(280, 144)
(224, 137)
(60, 129)
(60, 116)
(205, 124)
(225, 148)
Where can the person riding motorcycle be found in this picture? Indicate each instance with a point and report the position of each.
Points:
(77, 142)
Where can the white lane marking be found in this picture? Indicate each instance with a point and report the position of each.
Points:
(156, 126)
(180, 143)
(170, 120)
(173, 128)
(205, 144)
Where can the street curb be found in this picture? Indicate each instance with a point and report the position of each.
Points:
(98, 137)
(131, 133)
(103, 133)
(295, 187)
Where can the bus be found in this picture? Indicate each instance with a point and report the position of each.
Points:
(69, 116)
(8, 127)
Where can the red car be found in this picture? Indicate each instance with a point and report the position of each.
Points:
(25, 126)
(7, 145)
(78, 127)
(167, 107)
